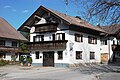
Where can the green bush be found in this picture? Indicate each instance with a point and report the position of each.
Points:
(21, 59)
(3, 62)
(29, 60)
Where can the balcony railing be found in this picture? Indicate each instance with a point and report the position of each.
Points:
(9, 49)
(47, 45)
(48, 27)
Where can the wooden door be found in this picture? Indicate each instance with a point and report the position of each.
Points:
(48, 59)
(104, 57)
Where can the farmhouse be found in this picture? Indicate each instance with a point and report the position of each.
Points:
(9, 40)
(60, 40)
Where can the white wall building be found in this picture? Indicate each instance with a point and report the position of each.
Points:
(60, 40)
(9, 40)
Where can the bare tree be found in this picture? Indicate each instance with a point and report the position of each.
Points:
(104, 12)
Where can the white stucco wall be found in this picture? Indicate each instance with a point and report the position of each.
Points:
(70, 56)
(8, 43)
(8, 56)
(104, 49)
(85, 47)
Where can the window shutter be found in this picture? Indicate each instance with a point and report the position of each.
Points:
(63, 36)
(42, 37)
(53, 36)
(81, 38)
(33, 38)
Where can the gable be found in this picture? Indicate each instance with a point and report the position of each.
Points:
(41, 12)
(69, 20)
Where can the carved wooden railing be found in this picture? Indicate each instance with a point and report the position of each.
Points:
(10, 49)
(47, 45)
(48, 27)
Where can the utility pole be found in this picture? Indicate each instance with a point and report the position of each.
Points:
(66, 2)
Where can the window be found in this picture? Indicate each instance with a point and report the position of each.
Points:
(60, 36)
(38, 38)
(78, 38)
(14, 44)
(2, 43)
(103, 42)
(37, 55)
(78, 54)
(92, 40)
(92, 55)
(60, 55)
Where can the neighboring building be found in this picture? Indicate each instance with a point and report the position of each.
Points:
(58, 40)
(110, 44)
(9, 40)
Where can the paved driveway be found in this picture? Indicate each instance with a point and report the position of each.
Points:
(83, 72)
(41, 73)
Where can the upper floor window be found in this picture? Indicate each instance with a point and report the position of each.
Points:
(92, 40)
(14, 44)
(78, 38)
(2, 43)
(92, 55)
(59, 36)
(78, 54)
(60, 55)
(103, 42)
(38, 38)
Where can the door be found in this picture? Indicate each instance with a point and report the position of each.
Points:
(104, 57)
(48, 59)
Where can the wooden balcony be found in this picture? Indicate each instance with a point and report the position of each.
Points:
(116, 47)
(9, 49)
(47, 45)
(48, 27)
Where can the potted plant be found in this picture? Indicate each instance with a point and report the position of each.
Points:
(21, 60)
(29, 61)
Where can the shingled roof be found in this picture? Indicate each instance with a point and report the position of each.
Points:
(75, 21)
(68, 19)
(113, 29)
(7, 31)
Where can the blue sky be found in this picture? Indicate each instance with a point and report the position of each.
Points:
(17, 11)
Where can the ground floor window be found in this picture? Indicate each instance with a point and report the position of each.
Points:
(92, 55)
(37, 55)
(60, 55)
(78, 54)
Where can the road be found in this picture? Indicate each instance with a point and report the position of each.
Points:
(83, 72)
(41, 73)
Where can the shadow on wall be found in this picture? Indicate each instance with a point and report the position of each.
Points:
(115, 58)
